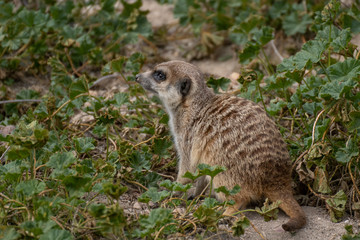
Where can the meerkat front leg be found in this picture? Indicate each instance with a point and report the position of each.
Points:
(184, 167)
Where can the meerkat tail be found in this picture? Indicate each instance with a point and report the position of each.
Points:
(292, 208)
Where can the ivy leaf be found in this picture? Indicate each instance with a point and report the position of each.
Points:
(139, 161)
(14, 169)
(32, 135)
(153, 195)
(269, 211)
(61, 160)
(157, 218)
(121, 99)
(336, 205)
(9, 234)
(117, 65)
(56, 234)
(293, 24)
(336, 89)
(207, 216)
(321, 181)
(310, 53)
(342, 39)
(355, 120)
(114, 190)
(210, 202)
(250, 51)
(264, 35)
(240, 225)
(211, 171)
(227, 192)
(84, 144)
(78, 87)
(344, 155)
(59, 74)
(175, 186)
(222, 83)
(30, 187)
(346, 70)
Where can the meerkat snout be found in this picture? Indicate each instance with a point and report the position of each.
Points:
(224, 130)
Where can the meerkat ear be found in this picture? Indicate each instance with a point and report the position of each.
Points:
(184, 86)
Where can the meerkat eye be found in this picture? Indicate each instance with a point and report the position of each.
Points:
(159, 75)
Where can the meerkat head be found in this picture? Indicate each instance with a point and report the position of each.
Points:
(173, 82)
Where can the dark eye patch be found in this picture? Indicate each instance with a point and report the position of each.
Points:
(159, 75)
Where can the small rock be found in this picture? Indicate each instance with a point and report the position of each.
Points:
(137, 205)
(180, 211)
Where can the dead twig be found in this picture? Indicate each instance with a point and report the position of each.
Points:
(20, 100)
(352, 177)
(276, 50)
(71, 62)
(136, 183)
(3, 155)
(115, 75)
(313, 129)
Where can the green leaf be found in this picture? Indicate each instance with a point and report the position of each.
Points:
(269, 211)
(161, 147)
(207, 216)
(175, 186)
(211, 171)
(210, 202)
(346, 70)
(355, 121)
(336, 89)
(336, 205)
(114, 190)
(224, 190)
(342, 39)
(78, 87)
(250, 51)
(139, 161)
(84, 144)
(344, 155)
(56, 234)
(31, 135)
(59, 74)
(310, 53)
(264, 35)
(117, 65)
(204, 169)
(9, 234)
(121, 99)
(321, 181)
(222, 83)
(240, 225)
(293, 24)
(153, 195)
(275, 106)
(14, 169)
(31, 187)
(157, 219)
(61, 160)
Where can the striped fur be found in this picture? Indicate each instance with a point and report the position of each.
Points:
(228, 131)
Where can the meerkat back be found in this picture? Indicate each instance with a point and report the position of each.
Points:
(228, 131)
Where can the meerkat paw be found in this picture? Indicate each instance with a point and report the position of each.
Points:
(230, 211)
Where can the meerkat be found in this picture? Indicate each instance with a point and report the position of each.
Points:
(224, 130)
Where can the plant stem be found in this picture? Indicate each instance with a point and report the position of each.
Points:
(329, 51)
(107, 142)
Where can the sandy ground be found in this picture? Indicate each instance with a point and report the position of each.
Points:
(318, 227)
